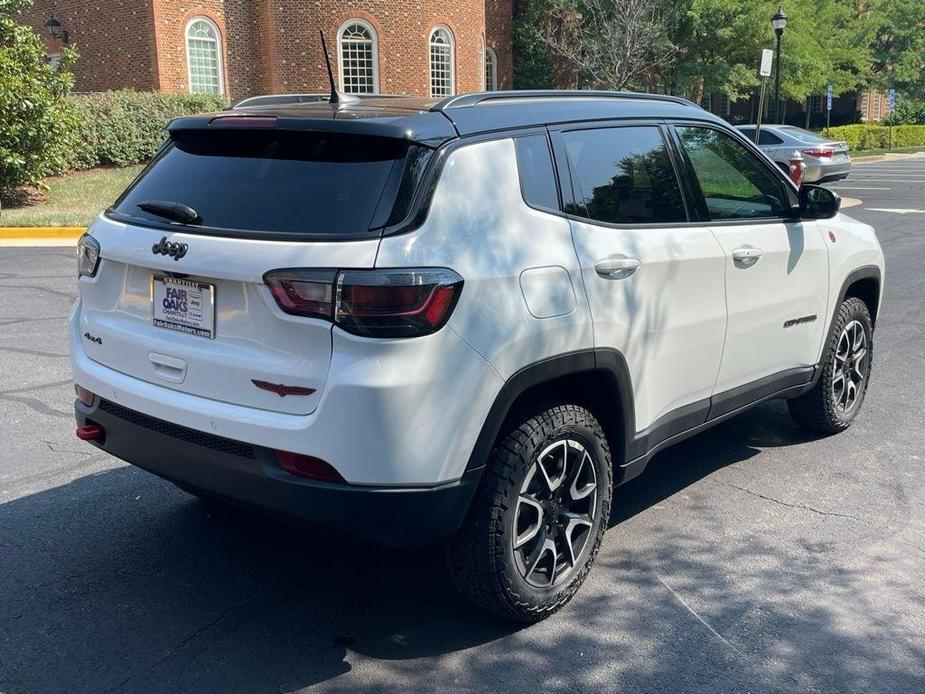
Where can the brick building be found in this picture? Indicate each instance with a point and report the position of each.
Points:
(240, 48)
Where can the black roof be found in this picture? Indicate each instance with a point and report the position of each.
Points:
(433, 121)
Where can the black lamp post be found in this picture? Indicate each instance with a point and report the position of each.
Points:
(56, 30)
(779, 22)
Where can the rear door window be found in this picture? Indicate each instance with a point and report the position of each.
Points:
(283, 182)
(623, 175)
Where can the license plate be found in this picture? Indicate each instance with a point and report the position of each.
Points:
(187, 306)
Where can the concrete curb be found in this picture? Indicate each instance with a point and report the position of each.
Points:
(896, 156)
(40, 236)
(41, 232)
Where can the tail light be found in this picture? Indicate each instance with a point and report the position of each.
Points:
(88, 256)
(819, 153)
(372, 303)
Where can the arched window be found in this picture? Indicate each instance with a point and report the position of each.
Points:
(358, 53)
(204, 57)
(442, 73)
(491, 70)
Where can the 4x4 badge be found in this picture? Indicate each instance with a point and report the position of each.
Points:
(165, 247)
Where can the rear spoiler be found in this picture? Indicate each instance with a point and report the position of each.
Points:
(427, 129)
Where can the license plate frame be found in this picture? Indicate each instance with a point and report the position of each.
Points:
(189, 308)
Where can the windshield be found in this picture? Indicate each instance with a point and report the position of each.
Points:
(279, 181)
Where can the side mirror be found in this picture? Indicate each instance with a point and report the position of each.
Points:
(817, 202)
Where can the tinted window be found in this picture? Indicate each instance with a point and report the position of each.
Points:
(537, 178)
(764, 137)
(735, 184)
(623, 175)
(284, 182)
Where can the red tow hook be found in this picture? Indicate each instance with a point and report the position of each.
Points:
(90, 432)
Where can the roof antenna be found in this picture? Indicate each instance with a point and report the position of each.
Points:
(336, 97)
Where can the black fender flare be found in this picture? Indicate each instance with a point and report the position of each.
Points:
(610, 363)
(864, 272)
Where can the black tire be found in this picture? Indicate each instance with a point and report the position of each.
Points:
(481, 557)
(820, 410)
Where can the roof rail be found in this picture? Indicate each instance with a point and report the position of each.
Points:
(467, 100)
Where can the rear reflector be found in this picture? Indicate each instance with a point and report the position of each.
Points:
(90, 432)
(372, 303)
(84, 395)
(308, 466)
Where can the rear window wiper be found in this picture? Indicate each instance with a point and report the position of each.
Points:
(176, 211)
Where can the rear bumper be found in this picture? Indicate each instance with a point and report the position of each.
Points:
(819, 171)
(249, 476)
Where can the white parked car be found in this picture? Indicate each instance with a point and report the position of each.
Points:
(461, 321)
(826, 159)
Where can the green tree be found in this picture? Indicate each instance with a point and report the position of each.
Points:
(34, 116)
(533, 68)
(719, 43)
(899, 45)
(825, 42)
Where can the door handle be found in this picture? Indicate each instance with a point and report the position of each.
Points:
(746, 255)
(616, 267)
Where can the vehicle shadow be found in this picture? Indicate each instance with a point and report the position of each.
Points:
(117, 581)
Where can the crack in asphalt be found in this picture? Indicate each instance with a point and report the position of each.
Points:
(36, 405)
(39, 386)
(176, 649)
(14, 320)
(696, 616)
(791, 505)
(33, 352)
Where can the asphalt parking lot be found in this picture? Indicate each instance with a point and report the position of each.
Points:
(749, 558)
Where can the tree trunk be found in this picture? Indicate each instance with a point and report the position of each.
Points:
(809, 102)
(697, 94)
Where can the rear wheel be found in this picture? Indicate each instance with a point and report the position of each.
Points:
(538, 517)
(836, 399)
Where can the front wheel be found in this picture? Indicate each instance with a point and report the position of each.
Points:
(836, 399)
(538, 517)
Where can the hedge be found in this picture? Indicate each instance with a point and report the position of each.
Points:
(865, 136)
(124, 127)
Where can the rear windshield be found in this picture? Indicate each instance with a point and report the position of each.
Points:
(806, 136)
(281, 182)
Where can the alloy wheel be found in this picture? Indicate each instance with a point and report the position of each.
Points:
(555, 513)
(850, 367)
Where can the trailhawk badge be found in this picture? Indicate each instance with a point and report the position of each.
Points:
(165, 247)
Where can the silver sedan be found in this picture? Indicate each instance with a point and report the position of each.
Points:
(826, 160)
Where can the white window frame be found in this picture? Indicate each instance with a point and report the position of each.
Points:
(491, 69)
(220, 62)
(375, 51)
(451, 42)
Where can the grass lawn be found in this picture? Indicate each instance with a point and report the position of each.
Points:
(73, 200)
(873, 152)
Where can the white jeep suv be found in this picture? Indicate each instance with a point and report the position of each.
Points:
(461, 321)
